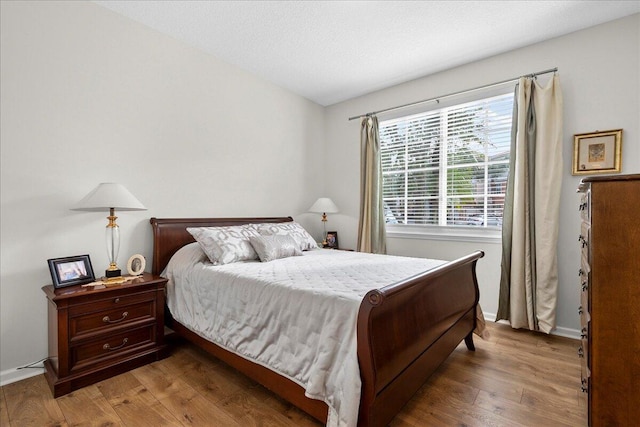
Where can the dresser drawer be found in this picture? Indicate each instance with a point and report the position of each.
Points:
(583, 350)
(584, 274)
(83, 325)
(585, 208)
(112, 346)
(583, 311)
(583, 239)
(585, 374)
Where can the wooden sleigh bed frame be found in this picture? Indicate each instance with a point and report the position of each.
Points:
(404, 331)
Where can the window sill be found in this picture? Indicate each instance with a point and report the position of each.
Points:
(451, 234)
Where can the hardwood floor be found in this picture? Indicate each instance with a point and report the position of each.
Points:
(515, 378)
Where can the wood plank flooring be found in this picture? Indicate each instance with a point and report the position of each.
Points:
(515, 378)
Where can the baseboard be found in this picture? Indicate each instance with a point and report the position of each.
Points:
(12, 375)
(559, 331)
(566, 332)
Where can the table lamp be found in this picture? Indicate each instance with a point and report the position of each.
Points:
(324, 205)
(110, 196)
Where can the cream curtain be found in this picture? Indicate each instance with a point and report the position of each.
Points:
(529, 281)
(371, 229)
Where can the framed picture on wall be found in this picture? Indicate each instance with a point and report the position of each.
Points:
(597, 152)
(70, 271)
(332, 240)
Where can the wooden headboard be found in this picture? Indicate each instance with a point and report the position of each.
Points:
(170, 234)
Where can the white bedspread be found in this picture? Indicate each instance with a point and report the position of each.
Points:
(296, 316)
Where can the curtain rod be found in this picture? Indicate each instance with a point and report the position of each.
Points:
(438, 98)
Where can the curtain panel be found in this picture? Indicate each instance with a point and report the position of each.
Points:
(529, 277)
(371, 229)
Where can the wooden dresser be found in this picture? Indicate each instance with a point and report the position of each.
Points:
(96, 333)
(610, 298)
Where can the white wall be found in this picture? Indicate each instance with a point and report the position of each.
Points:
(89, 96)
(600, 76)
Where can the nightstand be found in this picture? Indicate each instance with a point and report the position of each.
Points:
(98, 332)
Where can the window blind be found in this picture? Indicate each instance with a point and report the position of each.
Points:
(448, 167)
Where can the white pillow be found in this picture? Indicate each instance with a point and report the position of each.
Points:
(304, 240)
(187, 256)
(275, 247)
(224, 245)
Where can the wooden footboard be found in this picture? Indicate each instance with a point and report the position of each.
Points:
(405, 330)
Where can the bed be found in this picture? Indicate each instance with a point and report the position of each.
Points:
(403, 330)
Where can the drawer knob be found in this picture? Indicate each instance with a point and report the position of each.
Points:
(117, 300)
(108, 347)
(584, 389)
(106, 319)
(580, 352)
(580, 311)
(583, 333)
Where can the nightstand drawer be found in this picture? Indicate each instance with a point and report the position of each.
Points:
(113, 346)
(92, 305)
(86, 324)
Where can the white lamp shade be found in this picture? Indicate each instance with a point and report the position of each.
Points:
(324, 205)
(109, 195)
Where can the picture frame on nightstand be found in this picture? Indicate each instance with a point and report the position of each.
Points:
(332, 240)
(71, 271)
(136, 265)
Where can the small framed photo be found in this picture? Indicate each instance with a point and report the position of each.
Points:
(136, 265)
(597, 152)
(332, 240)
(70, 271)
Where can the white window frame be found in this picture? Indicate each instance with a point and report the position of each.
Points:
(486, 234)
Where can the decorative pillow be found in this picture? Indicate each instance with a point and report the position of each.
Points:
(275, 247)
(224, 245)
(304, 240)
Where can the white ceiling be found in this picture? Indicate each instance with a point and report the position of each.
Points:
(330, 51)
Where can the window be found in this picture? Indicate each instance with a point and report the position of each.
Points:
(448, 167)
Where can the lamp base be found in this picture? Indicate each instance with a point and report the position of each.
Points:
(113, 273)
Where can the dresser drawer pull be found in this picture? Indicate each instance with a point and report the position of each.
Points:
(117, 300)
(583, 333)
(580, 310)
(585, 286)
(580, 352)
(108, 347)
(582, 240)
(106, 319)
(584, 389)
